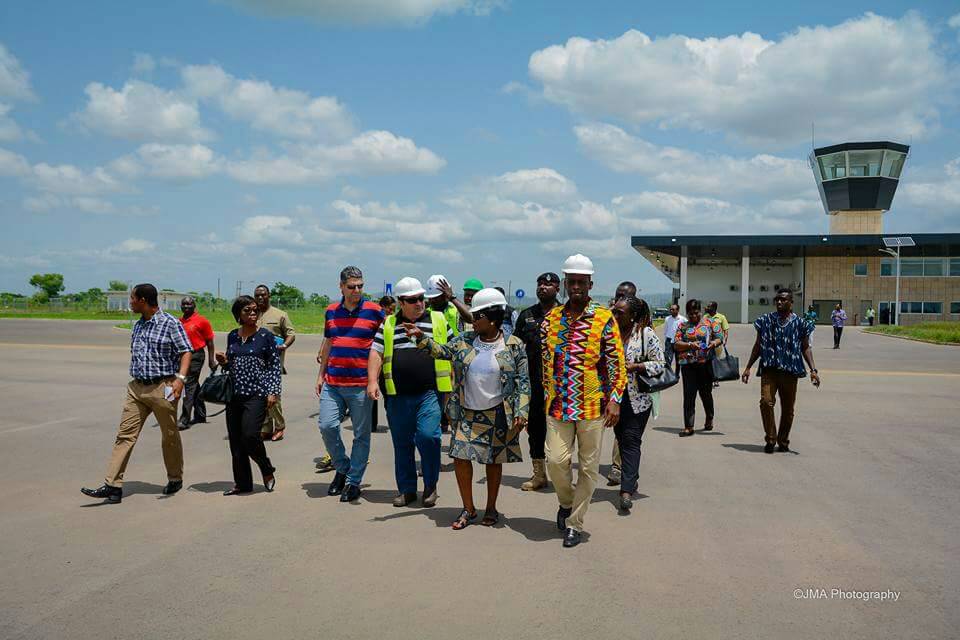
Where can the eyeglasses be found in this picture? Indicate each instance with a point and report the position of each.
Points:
(481, 314)
(416, 300)
(250, 310)
(354, 287)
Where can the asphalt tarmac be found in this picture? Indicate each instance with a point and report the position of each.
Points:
(721, 542)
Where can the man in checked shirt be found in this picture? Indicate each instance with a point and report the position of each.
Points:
(159, 362)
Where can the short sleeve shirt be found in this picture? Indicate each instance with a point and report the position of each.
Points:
(707, 330)
(198, 330)
(156, 346)
(254, 364)
(781, 343)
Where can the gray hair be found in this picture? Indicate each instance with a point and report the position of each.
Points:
(350, 272)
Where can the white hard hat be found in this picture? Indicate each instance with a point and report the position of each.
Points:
(578, 263)
(406, 287)
(486, 298)
(432, 289)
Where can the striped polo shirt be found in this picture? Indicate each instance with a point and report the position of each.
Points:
(350, 334)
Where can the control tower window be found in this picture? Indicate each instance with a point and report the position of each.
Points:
(865, 163)
(833, 166)
(892, 164)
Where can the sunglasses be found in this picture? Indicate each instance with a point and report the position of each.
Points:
(354, 287)
(250, 310)
(416, 300)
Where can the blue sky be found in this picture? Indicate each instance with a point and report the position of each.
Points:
(260, 141)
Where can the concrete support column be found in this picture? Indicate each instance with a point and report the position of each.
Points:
(745, 286)
(683, 279)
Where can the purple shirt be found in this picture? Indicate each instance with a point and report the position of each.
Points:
(838, 317)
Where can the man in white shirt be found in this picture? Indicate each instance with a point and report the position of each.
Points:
(670, 326)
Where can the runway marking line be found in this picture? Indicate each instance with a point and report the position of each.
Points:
(38, 426)
(301, 354)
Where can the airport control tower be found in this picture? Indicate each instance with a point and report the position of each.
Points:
(857, 181)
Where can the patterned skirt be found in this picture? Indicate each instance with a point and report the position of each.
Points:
(485, 437)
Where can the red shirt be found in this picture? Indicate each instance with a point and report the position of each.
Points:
(198, 330)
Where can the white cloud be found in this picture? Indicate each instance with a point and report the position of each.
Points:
(63, 178)
(13, 164)
(676, 168)
(932, 196)
(867, 77)
(285, 112)
(174, 161)
(132, 245)
(141, 111)
(9, 130)
(263, 230)
(143, 64)
(89, 204)
(42, 203)
(954, 23)
(369, 12)
(14, 80)
(544, 184)
(370, 153)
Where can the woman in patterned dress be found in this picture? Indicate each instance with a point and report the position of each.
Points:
(643, 355)
(254, 365)
(490, 401)
(694, 343)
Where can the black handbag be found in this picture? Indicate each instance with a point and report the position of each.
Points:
(651, 384)
(217, 388)
(726, 368)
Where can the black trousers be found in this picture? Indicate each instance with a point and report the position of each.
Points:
(192, 404)
(629, 431)
(245, 415)
(697, 379)
(537, 422)
(837, 332)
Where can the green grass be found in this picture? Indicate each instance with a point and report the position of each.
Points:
(939, 332)
(306, 320)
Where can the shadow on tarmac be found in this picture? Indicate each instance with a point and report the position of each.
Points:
(700, 431)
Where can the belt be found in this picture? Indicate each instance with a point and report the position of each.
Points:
(151, 380)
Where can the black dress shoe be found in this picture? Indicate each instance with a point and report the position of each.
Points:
(626, 502)
(768, 448)
(571, 538)
(113, 495)
(237, 491)
(562, 514)
(337, 484)
(270, 483)
(182, 426)
(783, 447)
(404, 499)
(350, 493)
(172, 487)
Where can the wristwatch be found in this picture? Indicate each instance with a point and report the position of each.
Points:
(814, 371)
(181, 377)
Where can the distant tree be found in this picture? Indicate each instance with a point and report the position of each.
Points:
(319, 300)
(117, 285)
(286, 295)
(48, 285)
(91, 297)
(168, 290)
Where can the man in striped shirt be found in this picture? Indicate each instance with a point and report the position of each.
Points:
(412, 379)
(350, 327)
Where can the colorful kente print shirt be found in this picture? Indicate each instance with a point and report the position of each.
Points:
(781, 342)
(707, 330)
(583, 363)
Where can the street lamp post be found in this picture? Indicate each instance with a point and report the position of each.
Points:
(901, 241)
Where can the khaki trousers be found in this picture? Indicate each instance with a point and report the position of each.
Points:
(142, 400)
(774, 382)
(561, 435)
(274, 421)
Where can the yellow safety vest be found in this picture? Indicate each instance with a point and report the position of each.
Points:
(453, 317)
(443, 368)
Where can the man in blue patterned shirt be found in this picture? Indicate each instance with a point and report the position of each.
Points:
(159, 361)
(782, 344)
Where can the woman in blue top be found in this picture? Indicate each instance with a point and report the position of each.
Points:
(254, 365)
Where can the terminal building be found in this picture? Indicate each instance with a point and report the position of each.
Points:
(857, 182)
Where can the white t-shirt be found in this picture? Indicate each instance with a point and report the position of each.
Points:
(482, 389)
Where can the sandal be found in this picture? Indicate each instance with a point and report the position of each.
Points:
(464, 520)
(277, 435)
(708, 427)
(686, 432)
(490, 519)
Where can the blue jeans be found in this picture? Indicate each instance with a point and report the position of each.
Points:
(333, 402)
(415, 421)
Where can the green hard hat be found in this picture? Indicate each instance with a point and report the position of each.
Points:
(472, 285)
